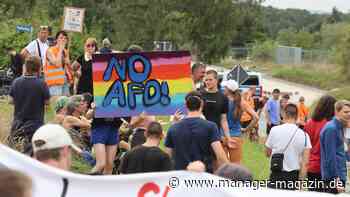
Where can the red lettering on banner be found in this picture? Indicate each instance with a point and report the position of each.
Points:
(152, 187)
(148, 187)
(167, 189)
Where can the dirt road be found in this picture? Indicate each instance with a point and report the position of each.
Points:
(311, 94)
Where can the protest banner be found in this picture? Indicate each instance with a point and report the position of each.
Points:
(53, 182)
(73, 19)
(127, 84)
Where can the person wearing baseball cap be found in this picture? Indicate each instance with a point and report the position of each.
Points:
(52, 145)
(236, 107)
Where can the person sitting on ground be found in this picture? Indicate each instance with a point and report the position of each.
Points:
(88, 99)
(74, 116)
(147, 157)
(52, 145)
(234, 172)
(15, 184)
(77, 125)
(60, 109)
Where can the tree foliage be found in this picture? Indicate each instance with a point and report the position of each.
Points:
(204, 27)
(290, 37)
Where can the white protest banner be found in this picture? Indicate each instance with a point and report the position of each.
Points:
(49, 181)
(73, 19)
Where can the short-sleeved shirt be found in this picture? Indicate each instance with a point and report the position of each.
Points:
(313, 128)
(273, 109)
(233, 122)
(303, 112)
(191, 139)
(215, 104)
(33, 49)
(29, 94)
(278, 140)
(85, 81)
(145, 159)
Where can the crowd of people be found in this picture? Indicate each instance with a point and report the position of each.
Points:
(208, 138)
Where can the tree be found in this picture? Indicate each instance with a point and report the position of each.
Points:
(342, 53)
(248, 25)
(209, 26)
(335, 17)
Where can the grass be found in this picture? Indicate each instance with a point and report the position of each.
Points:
(6, 111)
(313, 77)
(79, 165)
(341, 93)
(255, 160)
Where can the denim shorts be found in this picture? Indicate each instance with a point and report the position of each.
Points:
(105, 134)
(61, 90)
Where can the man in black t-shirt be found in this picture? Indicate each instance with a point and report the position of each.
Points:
(29, 94)
(193, 138)
(147, 157)
(215, 103)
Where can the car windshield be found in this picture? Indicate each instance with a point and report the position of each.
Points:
(252, 80)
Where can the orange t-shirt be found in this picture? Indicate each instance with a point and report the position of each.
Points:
(303, 112)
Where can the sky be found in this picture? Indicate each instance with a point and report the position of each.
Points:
(312, 5)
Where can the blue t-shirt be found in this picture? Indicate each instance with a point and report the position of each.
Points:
(273, 108)
(29, 94)
(191, 140)
(234, 123)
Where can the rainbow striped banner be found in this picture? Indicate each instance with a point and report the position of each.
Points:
(127, 84)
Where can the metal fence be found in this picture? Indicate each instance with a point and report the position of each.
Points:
(289, 55)
(317, 57)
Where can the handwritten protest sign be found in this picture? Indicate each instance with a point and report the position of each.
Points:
(127, 84)
(73, 19)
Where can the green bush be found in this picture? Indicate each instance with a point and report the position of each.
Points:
(290, 37)
(343, 55)
(9, 38)
(264, 51)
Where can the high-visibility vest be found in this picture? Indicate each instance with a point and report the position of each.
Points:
(54, 74)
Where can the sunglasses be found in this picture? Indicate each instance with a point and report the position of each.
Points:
(90, 45)
(44, 27)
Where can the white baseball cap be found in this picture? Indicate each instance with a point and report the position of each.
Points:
(51, 136)
(230, 84)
